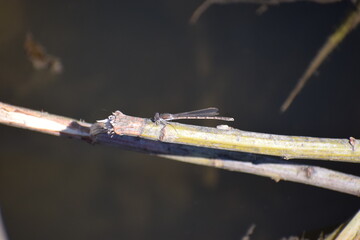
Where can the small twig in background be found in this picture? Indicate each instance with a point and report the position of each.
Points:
(249, 232)
(207, 3)
(333, 41)
(3, 235)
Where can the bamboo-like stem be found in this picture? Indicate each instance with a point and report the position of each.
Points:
(135, 134)
(286, 147)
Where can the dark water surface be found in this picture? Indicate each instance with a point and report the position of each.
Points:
(143, 57)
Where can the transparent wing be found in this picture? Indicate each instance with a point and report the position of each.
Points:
(206, 112)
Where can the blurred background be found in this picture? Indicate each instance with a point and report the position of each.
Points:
(143, 57)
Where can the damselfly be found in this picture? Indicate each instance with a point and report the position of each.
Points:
(207, 113)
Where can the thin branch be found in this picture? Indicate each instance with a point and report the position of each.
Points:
(333, 41)
(200, 10)
(44, 122)
(310, 175)
(143, 135)
(207, 3)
